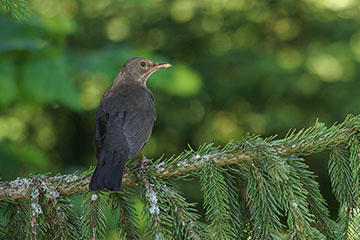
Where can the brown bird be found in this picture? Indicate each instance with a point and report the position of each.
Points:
(124, 121)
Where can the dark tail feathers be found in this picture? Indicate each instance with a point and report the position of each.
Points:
(108, 173)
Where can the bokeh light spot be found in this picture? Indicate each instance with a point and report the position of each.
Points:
(286, 29)
(12, 128)
(92, 90)
(327, 67)
(334, 4)
(46, 137)
(186, 82)
(289, 58)
(96, 8)
(355, 44)
(257, 123)
(49, 8)
(182, 10)
(117, 29)
(225, 126)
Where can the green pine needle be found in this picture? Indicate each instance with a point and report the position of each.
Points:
(92, 219)
(216, 201)
(19, 9)
(122, 206)
(254, 188)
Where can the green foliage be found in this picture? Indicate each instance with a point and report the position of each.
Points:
(169, 216)
(252, 188)
(19, 9)
(183, 82)
(316, 202)
(308, 141)
(186, 224)
(7, 83)
(235, 71)
(46, 80)
(216, 201)
(239, 216)
(239, 66)
(62, 223)
(93, 221)
(16, 215)
(123, 205)
(344, 166)
(45, 215)
(300, 218)
(159, 223)
(262, 204)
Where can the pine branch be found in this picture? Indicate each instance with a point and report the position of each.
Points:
(2, 224)
(35, 226)
(186, 225)
(319, 137)
(62, 221)
(247, 185)
(2, 232)
(300, 219)
(169, 215)
(191, 162)
(93, 220)
(186, 222)
(19, 9)
(65, 185)
(159, 223)
(216, 202)
(16, 214)
(263, 207)
(127, 226)
(239, 214)
(344, 167)
(316, 202)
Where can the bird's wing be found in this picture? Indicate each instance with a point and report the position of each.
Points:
(124, 121)
(137, 129)
(100, 131)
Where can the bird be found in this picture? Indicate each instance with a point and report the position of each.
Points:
(124, 122)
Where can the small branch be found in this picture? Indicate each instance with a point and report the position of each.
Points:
(303, 143)
(17, 189)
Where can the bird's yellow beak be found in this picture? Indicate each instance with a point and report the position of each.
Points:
(162, 65)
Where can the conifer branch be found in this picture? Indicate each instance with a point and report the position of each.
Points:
(92, 218)
(264, 209)
(159, 223)
(186, 223)
(19, 9)
(216, 202)
(248, 186)
(305, 142)
(239, 214)
(123, 207)
(344, 167)
(299, 215)
(16, 215)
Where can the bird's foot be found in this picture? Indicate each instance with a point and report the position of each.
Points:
(144, 160)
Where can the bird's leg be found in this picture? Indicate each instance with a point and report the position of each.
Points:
(143, 159)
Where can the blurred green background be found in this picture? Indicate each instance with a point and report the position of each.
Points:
(239, 66)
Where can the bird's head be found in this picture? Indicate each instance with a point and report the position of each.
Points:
(141, 68)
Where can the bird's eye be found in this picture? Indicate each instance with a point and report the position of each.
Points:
(143, 64)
